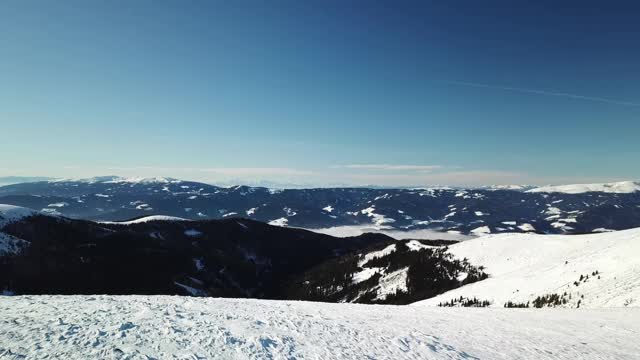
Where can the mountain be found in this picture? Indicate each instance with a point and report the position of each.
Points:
(46, 254)
(586, 271)
(457, 211)
(9, 180)
(233, 257)
(623, 187)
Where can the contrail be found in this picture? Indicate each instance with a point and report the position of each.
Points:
(546, 93)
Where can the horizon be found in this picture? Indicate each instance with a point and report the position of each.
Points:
(7, 180)
(322, 93)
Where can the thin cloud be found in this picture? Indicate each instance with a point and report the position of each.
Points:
(545, 93)
(227, 171)
(389, 167)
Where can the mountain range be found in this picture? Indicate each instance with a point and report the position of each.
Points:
(570, 209)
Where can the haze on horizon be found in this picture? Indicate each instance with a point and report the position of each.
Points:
(322, 93)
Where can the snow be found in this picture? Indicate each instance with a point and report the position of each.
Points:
(50, 211)
(142, 180)
(599, 230)
(60, 204)
(289, 211)
(524, 266)
(376, 254)
(378, 219)
(10, 214)
(164, 327)
(415, 245)
(420, 234)
(191, 290)
(146, 219)
(479, 213)
(279, 222)
(623, 187)
(392, 283)
(482, 230)
(526, 227)
(328, 208)
(251, 211)
(229, 214)
(511, 223)
(508, 187)
(192, 233)
(365, 274)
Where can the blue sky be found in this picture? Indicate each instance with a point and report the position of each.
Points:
(321, 93)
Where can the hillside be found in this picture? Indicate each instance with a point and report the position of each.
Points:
(46, 254)
(586, 271)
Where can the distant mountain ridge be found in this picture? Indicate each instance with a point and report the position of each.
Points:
(557, 209)
(9, 180)
(622, 187)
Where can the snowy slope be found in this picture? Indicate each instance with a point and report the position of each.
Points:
(10, 245)
(623, 187)
(524, 266)
(10, 213)
(164, 327)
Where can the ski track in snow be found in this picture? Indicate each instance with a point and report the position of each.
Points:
(173, 327)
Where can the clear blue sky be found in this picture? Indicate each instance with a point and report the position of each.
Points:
(322, 92)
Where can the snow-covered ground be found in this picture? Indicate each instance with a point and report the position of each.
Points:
(165, 327)
(597, 270)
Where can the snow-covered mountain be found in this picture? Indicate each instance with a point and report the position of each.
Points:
(592, 271)
(623, 187)
(10, 180)
(172, 327)
(457, 211)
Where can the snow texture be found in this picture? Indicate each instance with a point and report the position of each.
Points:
(173, 327)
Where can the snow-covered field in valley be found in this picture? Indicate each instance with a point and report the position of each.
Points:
(164, 327)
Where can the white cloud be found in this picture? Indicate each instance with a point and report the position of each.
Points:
(389, 167)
